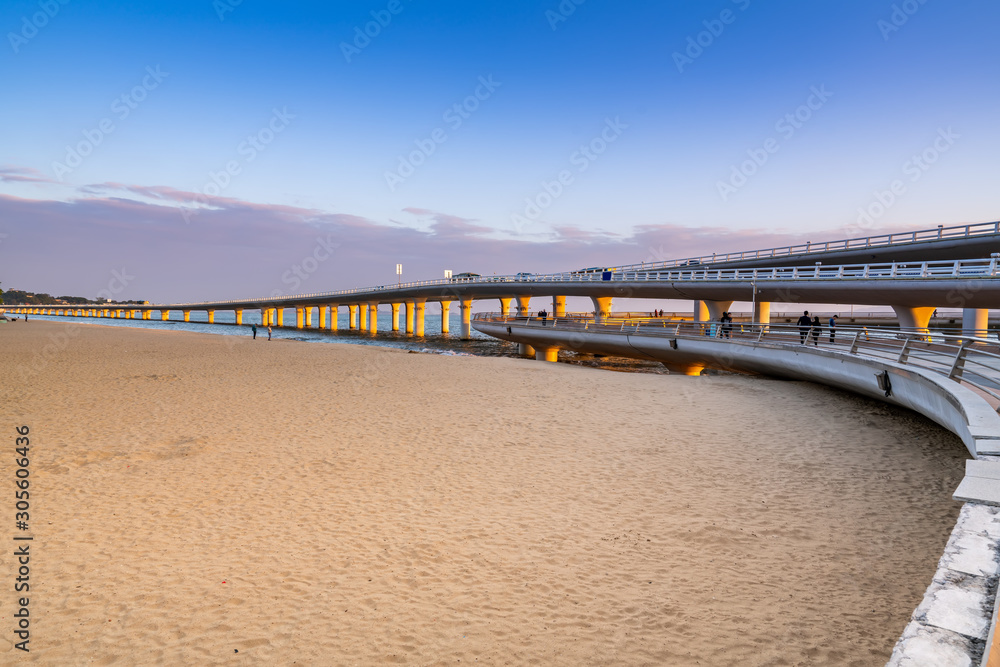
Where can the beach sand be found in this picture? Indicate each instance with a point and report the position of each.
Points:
(202, 500)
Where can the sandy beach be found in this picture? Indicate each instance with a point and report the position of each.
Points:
(204, 500)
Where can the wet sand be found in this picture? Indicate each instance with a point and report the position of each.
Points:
(200, 499)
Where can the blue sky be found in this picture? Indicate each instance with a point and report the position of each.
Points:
(676, 128)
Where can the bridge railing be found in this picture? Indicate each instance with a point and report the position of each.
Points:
(879, 241)
(967, 359)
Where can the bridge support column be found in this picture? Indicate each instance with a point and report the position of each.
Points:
(309, 316)
(352, 316)
(279, 316)
(465, 306)
(975, 322)
(547, 353)
(410, 307)
(685, 369)
(373, 318)
(300, 317)
(418, 318)
(523, 305)
(211, 316)
(505, 306)
(264, 321)
(602, 307)
(147, 314)
(445, 317)
(762, 312)
(334, 316)
(164, 315)
(558, 306)
(239, 316)
(395, 316)
(525, 350)
(716, 308)
(363, 317)
(914, 318)
(187, 315)
(322, 313)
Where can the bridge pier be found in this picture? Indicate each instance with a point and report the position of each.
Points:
(300, 317)
(395, 316)
(187, 315)
(692, 369)
(505, 306)
(465, 306)
(309, 317)
(238, 314)
(373, 318)
(211, 316)
(445, 317)
(418, 317)
(410, 307)
(914, 318)
(352, 316)
(334, 316)
(164, 315)
(602, 307)
(525, 350)
(322, 314)
(523, 305)
(975, 322)
(363, 317)
(547, 354)
(279, 314)
(558, 306)
(762, 312)
(148, 314)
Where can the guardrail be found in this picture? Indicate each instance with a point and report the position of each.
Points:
(880, 241)
(971, 360)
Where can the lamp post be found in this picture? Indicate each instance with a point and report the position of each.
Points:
(399, 274)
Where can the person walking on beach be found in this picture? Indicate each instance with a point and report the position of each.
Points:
(833, 328)
(804, 325)
(817, 329)
(254, 329)
(269, 332)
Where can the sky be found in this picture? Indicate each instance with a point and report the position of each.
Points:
(194, 150)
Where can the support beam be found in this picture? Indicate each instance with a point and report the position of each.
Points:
(352, 316)
(373, 318)
(418, 317)
(602, 307)
(363, 317)
(279, 314)
(975, 322)
(309, 317)
(395, 316)
(762, 312)
(324, 312)
(914, 318)
(445, 317)
(523, 305)
(239, 316)
(410, 316)
(465, 306)
(187, 315)
(547, 354)
(264, 321)
(525, 350)
(505, 306)
(211, 316)
(685, 369)
(334, 316)
(300, 317)
(147, 314)
(558, 306)
(164, 315)
(716, 308)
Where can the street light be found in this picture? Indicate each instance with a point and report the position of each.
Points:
(399, 273)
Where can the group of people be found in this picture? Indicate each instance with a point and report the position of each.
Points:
(254, 330)
(813, 326)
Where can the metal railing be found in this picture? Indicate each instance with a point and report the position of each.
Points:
(880, 241)
(971, 360)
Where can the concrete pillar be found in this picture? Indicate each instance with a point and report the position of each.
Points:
(263, 317)
(324, 312)
(187, 315)
(975, 322)
(147, 314)
(211, 316)
(701, 312)
(558, 306)
(300, 317)
(395, 316)
(410, 316)
(716, 308)
(505, 306)
(762, 312)
(363, 317)
(418, 318)
(685, 369)
(279, 315)
(547, 354)
(523, 305)
(334, 315)
(445, 317)
(602, 307)
(352, 316)
(373, 318)
(914, 318)
(164, 315)
(465, 306)
(525, 350)
(239, 316)
(309, 316)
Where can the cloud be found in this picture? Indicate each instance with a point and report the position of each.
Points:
(22, 175)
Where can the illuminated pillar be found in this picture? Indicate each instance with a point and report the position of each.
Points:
(373, 318)
(395, 316)
(547, 354)
(239, 316)
(914, 318)
(762, 312)
(309, 317)
(187, 315)
(419, 306)
(445, 317)
(164, 315)
(299, 317)
(279, 314)
(363, 317)
(465, 306)
(352, 315)
(602, 307)
(334, 316)
(410, 308)
(558, 306)
(523, 306)
(975, 322)
(323, 313)
(211, 316)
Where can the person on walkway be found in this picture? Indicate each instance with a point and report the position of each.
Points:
(817, 329)
(804, 325)
(727, 325)
(254, 329)
(833, 328)
(543, 314)
(269, 332)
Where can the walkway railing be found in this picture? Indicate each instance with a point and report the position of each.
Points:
(880, 241)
